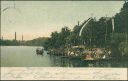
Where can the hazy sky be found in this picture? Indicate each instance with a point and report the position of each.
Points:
(36, 19)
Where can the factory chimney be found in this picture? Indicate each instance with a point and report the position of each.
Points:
(22, 38)
(15, 35)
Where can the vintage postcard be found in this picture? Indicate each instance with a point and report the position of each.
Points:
(64, 40)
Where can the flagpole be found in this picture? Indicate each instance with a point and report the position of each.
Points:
(126, 37)
(113, 26)
(105, 32)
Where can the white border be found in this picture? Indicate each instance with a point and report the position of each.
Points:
(60, 73)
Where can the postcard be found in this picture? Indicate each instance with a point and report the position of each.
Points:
(64, 40)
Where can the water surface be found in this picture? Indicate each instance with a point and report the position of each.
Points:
(23, 56)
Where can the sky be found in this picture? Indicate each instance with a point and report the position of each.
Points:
(34, 19)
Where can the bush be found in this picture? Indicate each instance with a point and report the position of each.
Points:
(123, 47)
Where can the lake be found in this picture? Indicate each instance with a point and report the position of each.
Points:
(25, 56)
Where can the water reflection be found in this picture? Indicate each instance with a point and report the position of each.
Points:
(25, 56)
(67, 62)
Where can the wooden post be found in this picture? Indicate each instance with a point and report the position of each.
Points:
(113, 27)
(78, 23)
(105, 32)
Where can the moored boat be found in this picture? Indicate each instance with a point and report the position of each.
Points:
(39, 51)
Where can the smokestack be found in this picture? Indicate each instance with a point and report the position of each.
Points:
(15, 35)
(22, 38)
(2, 38)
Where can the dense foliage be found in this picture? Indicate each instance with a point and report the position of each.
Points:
(35, 42)
(9, 42)
(98, 33)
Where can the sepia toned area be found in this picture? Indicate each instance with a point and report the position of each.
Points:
(64, 34)
(42, 73)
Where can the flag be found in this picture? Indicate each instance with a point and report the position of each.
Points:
(113, 24)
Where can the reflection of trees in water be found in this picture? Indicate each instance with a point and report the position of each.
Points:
(67, 62)
(55, 60)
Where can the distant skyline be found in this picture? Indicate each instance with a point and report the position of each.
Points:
(34, 19)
